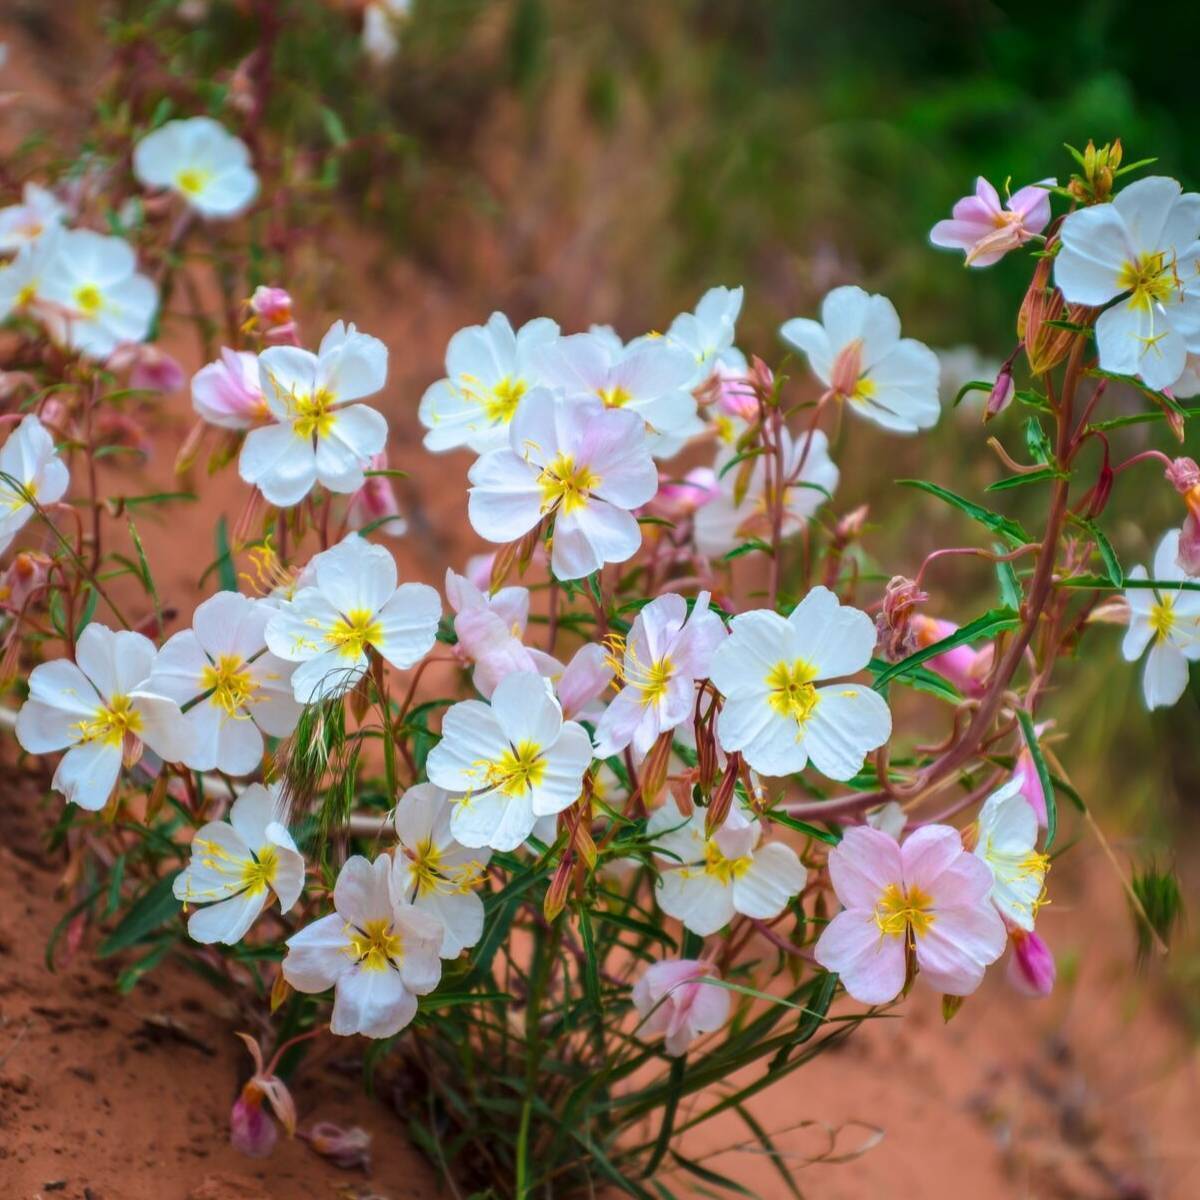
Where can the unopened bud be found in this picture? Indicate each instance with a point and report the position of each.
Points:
(654, 769)
(722, 801)
(560, 883)
(1001, 394)
(1031, 968)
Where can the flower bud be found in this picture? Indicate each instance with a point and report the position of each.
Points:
(271, 315)
(654, 769)
(1001, 394)
(375, 503)
(722, 801)
(25, 575)
(1031, 968)
(150, 369)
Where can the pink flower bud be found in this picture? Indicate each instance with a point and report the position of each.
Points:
(673, 999)
(965, 667)
(1001, 394)
(1031, 968)
(149, 367)
(251, 1130)
(272, 309)
(24, 575)
(375, 503)
(1183, 475)
(1188, 556)
(736, 393)
(679, 498)
(227, 393)
(1031, 783)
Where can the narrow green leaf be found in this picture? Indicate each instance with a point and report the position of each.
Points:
(1112, 564)
(753, 452)
(154, 908)
(1010, 585)
(89, 609)
(974, 385)
(1041, 475)
(746, 548)
(226, 573)
(994, 621)
(1037, 442)
(786, 819)
(1005, 527)
(1047, 782)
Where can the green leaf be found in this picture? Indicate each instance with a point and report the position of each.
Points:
(753, 452)
(786, 819)
(746, 548)
(1015, 481)
(155, 498)
(993, 621)
(89, 610)
(1037, 442)
(1010, 585)
(334, 129)
(1005, 527)
(1112, 564)
(1101, 583)
(226, 574)
(154, 908)
(1047, 782)
(975, 385)
(710, 1176)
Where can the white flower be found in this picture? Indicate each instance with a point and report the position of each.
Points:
(355, 605)
(1143, 247)
(708, 333)
(378, 954)
(237, 865)
(575, 460)
(200, 160)
(857, 352)
(319, 436)
(21, 224)
(22, 278)
(96, 709)
(666, 652)
(489, 369)
(774, 712)
(29, 466)
(1168, 621)
(381, 29)
(92, 296)
(1008, 831)
(810, 479)
(652, 378)
(704, 881)
(510, 762)
(433, 872)
(237, 690)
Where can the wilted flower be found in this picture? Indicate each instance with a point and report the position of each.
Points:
(1031, 968)
(346, 1148)
(894, 625)
(199, 160)
(676, 1001)
(679, 498)
(150, 369)
(987, 231)
(25, 575)
(251, 1130)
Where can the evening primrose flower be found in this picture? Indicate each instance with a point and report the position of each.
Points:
(583, 681)
(317, 435)
(22, 278)
(434, 872)
(927, 897)
(707, 334)
(227, 393)
(652, 378)
(775, 713)
(97, 710)
(201, 161)
(704, 881)
(235, 690)
(238, 865)
(1143, 248)
(666, 652)
(857, 352)
(729, 519)
(377, 953)
(92, 297)
(489, 369)
(1166, 620)
(29, 468)
(585, 465)
(1007, 843)
(508, 762)
(22, 224)
(676, 1000)
(987, 231)
(354, 606)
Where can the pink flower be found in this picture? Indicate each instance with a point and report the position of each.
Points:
(272, 309)
(1031, 968)
(227, 393)
(583, 682)
(985, 230)
(679, 498)
(251, 1130)
(965, 667)
(674, 999)
(26, 573)
(375, 502)
(928, 895)
(149, 367)
(1031, 783)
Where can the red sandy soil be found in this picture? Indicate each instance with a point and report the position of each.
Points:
(1090, 1095)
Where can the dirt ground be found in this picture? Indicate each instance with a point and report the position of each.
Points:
(1090, 1095)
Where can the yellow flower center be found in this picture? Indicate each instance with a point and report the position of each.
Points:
(501, 402)
(111, 723)
(864, 391)
(258, 873)
(898, 911)
(1162, 617)
(614, 397)
(1150, 280)
(722, 868)
(192, 180)
(790, 691)
(652, 683)
(518, 770)
(26, 295)
(355, 631)
(314, 414)
(230, 682)
(565, 485)
(426, 867)
(88, 299)
(375, 946)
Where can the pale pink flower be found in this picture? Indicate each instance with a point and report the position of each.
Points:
(967, 668)
(26, 574)
(928, 895)
(252, 1132)
(227, 393)
(272, 308)
(1031, 782)
(678, 498)
(986, 230)
(150, 369)
(1031, 968)
(583, 682)
(666, 652)
(375, 503)
(676, 1000)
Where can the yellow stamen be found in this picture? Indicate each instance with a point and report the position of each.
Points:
(500, 404)
(231, 684)
(374, 947)
(722, 868)
(1150, 280)
(192, 181)
(1162, 617)
(614, 397)
(355, 631)
(314, 414)
(258, 874)
(518, 770)
(898, 911)
(790, 690)
(111, 723)
(88, 299)
(564, 485)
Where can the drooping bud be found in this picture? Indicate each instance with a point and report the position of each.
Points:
(1001, 394)
(1031, 968)
(560, 883)
(893, 625)
(706, 749)
(251, 1130)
